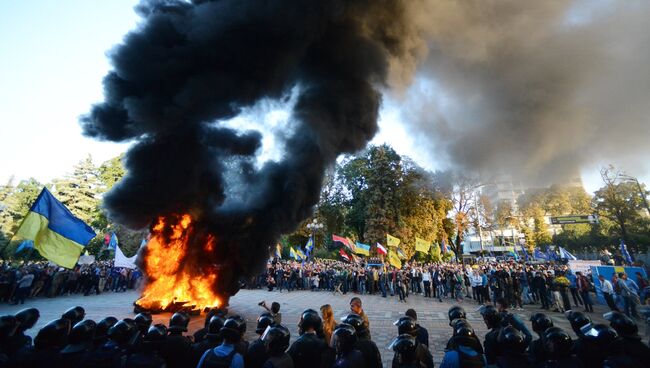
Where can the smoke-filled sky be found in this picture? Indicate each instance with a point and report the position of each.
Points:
(543, 88)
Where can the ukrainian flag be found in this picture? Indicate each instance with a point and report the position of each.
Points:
(362, 249)
(57, 234)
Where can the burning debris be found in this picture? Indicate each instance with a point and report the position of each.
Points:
(191, 66)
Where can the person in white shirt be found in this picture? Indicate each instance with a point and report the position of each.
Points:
(608, 291)
(426, 280)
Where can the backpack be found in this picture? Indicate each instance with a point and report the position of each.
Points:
(469, 358)
(212, 360)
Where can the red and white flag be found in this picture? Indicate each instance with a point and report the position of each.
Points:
(381, 249)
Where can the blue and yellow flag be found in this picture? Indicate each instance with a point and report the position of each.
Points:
(363, 249)
(57, 234)
(300, 254)
(278, 251)
(292, 253)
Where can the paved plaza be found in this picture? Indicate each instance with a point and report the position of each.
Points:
(382, 312)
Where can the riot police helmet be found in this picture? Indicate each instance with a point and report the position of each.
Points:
(74, 315)
(406, 325)
(264, 321)
(179, 322)
(276, 338)
(624, 325)
(511, 340)
(456, 312)
(53, 335)
(557, 343)
(540, 322)
(343, 339)
(27, 318)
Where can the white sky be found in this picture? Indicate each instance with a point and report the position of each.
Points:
(53, 61)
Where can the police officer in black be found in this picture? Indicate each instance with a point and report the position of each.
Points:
(80, 342)
(404, 347)
(146, 354)
(26, 319)
(585, 346)
(512, 349)
(8, 326)
(74, 315)
(492, 319)
(121, 337)
(276, 341)
(308, 349)
(210, 339)
(48, 343)
(143, 321)
(177, 349)
(406, 325)
(464, 349)
(257, 352)
(628, 332)
(558, 348)
(608, 348)
(367, 347)
(101, 331)
(343, 340)
(541, 322)
(423, 334)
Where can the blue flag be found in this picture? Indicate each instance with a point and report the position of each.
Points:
(539, 254)
(26, 244)
(113, 242)
(309, 246)
(523, 249)
(565, 254)
(625, 253)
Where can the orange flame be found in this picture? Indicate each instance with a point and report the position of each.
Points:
(169, 281)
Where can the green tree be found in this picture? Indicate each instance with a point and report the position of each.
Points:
(80, 190)
(111, 171)
(16, 202)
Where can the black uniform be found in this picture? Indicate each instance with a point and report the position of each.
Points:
(177, 351)
(307, 350)
(370, 352)
(282, 361)
(422, 335)
(422, 356)
(353, 359)
(636, 349)
(491, 346)
(256, 355)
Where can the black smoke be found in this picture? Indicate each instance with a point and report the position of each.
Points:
(190, 66)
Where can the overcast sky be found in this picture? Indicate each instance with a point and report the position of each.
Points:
(54, 58)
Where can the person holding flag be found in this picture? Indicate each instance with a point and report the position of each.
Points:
(625, 253)
(381, 250)
(57, 234)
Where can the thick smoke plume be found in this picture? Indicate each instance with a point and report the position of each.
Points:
(192, 65)
(534, 88)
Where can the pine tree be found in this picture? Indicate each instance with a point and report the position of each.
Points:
(80, 191)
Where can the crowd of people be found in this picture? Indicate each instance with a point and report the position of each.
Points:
(553, 287)
(19, 282)
(73, 341)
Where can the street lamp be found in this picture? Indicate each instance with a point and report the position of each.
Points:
(314, 226)
(638, 185)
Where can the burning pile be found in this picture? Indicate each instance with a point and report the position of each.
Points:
(174, 281)
(177, 80)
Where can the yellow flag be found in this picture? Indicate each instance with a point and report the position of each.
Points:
(422, 245)
(394, 260)
(392, 241)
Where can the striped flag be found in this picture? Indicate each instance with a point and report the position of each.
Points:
(381, 250)
(344, 255)
(344, 241)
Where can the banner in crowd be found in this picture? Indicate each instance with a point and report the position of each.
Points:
(381, 250)
(394, 260)
(345, 241)
(362, 249)
(608, 272)
(422, 245)
(86, 259)
(582, 265)
(392, 241)
(123, 261)
(344, 255)
(400, 253)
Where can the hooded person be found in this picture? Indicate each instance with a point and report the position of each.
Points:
(406, 325)
(276, 340)
(367, 347)
(257, 353)
(177, 349)
(628, 331)
(309, 347)
(225, 355)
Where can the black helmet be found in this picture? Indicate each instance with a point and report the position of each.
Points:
(460, 322)
(404, 346)
(143, 321)
(491, 316)
(53, 335)
(511, 341)
(276, 340)
(124, 332)
(74, 315)
(343, 338)
(81, 337)
(8, 325)
(624, 325)
(577, 320)
(241, 322)
(356, 321)
(215, 324)
(603, 335)
(456, 312)
(27, 318)
(179, 322)
(310, 319)
(406, 325)
(157, 332)
(231, 330)
(557, 343)
(208, 316)
(103, 326)
(263, 322)
(540, 322)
